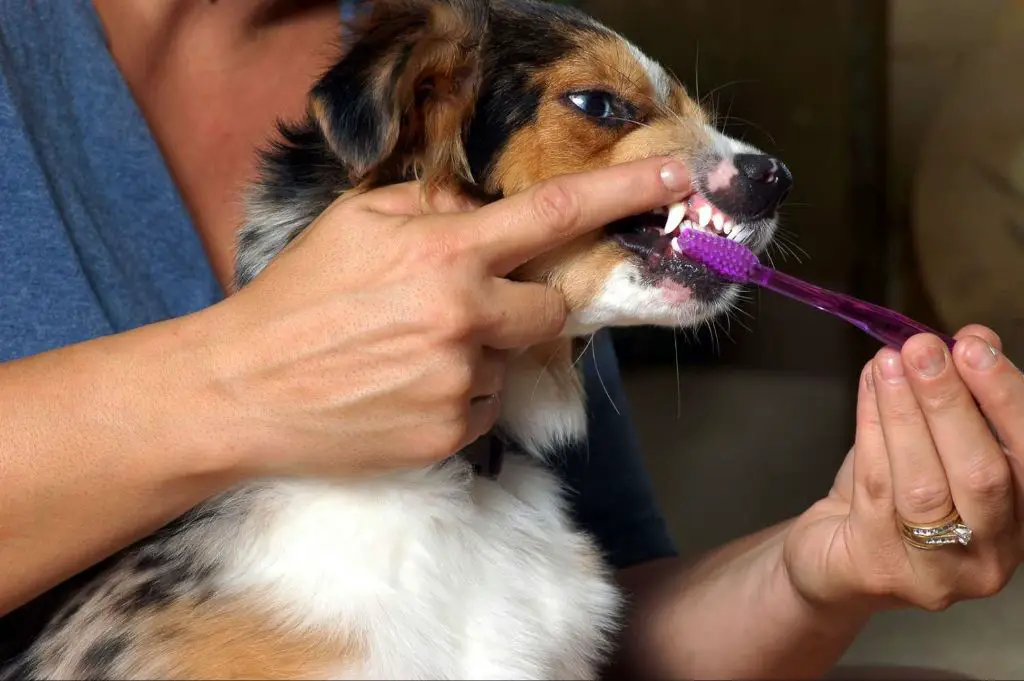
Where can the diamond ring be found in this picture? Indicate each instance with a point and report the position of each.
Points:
(950, 530)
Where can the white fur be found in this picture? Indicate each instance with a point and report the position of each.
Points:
(542, 413)
(439, 573)
(626, 300)
(655, 71)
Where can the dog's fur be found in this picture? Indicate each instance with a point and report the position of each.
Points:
(432, 573)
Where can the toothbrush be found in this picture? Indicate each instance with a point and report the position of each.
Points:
(733, 261)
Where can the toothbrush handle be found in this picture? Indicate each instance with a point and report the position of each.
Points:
(888, 326)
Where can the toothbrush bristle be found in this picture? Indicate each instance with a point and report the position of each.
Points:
(726, 258)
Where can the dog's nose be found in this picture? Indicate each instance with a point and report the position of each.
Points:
(754, 187)
(767, 179)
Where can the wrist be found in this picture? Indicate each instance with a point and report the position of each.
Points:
(175, 401)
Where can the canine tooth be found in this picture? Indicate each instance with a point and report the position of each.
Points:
(675, 217)
(675, 245)
(718, 221)
(704, 215)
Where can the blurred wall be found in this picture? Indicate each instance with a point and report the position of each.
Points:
(929, 41)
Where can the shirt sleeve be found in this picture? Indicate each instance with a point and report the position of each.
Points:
(609, 487)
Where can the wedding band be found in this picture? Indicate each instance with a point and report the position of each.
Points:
(950, 530)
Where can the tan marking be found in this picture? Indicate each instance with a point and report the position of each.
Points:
(578, 270)
(234, 640)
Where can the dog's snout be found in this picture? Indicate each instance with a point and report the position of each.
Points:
(750, 186)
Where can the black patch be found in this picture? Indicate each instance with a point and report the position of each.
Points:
(523, 39)
(506, 105)
(70, 611)
(98, 659)
(149, 559)
(149, 594)
(25, 669)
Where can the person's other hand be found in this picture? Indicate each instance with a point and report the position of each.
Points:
(377, 339)
(923, 448)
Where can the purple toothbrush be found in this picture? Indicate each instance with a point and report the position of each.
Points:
(733, 261)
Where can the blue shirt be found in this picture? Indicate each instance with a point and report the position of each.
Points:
(95, 240)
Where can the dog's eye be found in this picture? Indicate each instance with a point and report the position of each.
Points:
(601, 106)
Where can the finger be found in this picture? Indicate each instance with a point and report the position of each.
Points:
(511, 231)
(922, 493)
(411, 199)
(489, 377)
(976, 468)
(998, 387)
(983, 332)
(523, 314)
(483, 414)
(872, 477)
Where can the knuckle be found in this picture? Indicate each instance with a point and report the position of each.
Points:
(944, 399)
(458, 317)
(990, 479)
(939, 602)
(555, 309)
(903, 415)
(1004, 396)
(926, 496)
(877, 484)
(556, 205)
(990, 581)
(434, 247)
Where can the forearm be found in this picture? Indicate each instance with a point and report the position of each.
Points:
(733, 614)
(100, 444)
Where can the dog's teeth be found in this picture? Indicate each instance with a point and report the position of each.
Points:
(688, 224)
(728, 227)
(718, 221)
(676, 214)
(675, 245)
(704, 215)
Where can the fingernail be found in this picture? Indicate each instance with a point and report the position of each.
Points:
(930, 361)
(675, 177)
(979, 355)
(891, 367)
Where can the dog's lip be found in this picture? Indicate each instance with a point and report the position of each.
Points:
(645, 237)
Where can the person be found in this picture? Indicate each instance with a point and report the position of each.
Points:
(132, 386)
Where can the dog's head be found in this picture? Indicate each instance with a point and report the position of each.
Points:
(493, 96)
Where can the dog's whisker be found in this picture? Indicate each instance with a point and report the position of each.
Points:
(600, 378)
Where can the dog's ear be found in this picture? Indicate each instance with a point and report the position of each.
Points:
(397, 105)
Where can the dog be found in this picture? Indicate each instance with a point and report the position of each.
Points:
(445, 572)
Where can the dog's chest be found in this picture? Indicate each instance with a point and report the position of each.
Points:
(441, 575)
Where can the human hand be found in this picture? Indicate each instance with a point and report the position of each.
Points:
(923, 449)
(377, 339)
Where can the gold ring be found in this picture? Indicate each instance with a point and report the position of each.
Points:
(946, 532)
